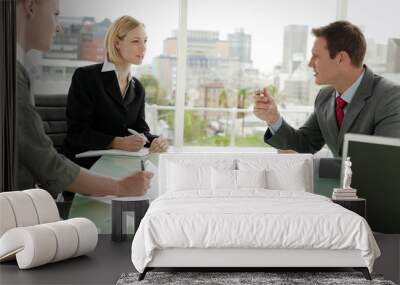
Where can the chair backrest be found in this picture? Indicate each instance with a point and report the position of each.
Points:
(52, 110)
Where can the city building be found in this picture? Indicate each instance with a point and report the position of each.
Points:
(294, 47)
(210, 60)
(80, 43)
(393, 55)
(66, 44)
(376, 56)
(240, 46)
(92, 43)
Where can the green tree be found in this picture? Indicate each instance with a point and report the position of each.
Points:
(279, 97)
(223, 103)
(154, 93)
(241, 104)
(223, 99)
(195, 127)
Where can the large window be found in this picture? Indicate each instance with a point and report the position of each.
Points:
(236, 47)
(232, 48)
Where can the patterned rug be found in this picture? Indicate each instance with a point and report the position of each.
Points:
(243, 278)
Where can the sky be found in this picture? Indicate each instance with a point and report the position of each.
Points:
(263, 19)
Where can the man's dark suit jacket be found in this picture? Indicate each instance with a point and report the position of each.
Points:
(374, 110)
(96, 111)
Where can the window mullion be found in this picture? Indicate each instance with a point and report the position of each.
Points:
(181, 75)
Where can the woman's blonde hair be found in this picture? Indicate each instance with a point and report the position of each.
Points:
(118, 31)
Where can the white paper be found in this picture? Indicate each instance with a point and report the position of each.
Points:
(153, 190)
(151, 194)
(118, 152)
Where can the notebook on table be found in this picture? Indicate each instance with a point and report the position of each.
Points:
(115, 152)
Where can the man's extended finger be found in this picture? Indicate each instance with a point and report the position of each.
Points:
(266, 93)
(262, 98)
(262, 105)
(148, 174)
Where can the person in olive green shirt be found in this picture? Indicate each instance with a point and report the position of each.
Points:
(38, 161)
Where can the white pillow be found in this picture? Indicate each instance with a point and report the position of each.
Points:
(223, 179)
(282, 172)
(293, 179)
(182, 177)
(227, 179)
(251, 178)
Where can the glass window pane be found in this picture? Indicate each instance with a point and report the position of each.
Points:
(383, 35)
(238, 46)
(81, 43)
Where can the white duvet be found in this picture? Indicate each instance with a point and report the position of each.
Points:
(250, 219)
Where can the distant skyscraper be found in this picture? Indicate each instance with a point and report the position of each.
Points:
(66, 44)
(93, 35)
(240, 46)
(80, 43)
(202, 43)
(376, 56)
(393, 55)
(211, 62)
(81, 39)
(294, 47)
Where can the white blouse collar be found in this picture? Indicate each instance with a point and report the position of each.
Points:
(109, 66)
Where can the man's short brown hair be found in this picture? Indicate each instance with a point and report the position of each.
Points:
(343, 36)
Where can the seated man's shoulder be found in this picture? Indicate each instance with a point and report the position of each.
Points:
(23, 91)
(386, 89)
(324, 95)
(387, 84)
(22, 75)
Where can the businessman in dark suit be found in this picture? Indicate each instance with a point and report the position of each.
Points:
(105, 100)
(355, 101)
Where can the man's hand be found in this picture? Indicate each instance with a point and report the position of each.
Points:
(129, 143)
(265, 107)
(135, 184)
(158, 145)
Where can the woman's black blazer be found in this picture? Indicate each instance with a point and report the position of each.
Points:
(96, 111)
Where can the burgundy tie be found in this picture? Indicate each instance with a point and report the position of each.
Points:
(340, 103)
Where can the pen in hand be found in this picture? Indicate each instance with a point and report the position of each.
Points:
(135, 133)
(142, 165)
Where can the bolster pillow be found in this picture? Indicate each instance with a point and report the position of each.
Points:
(26, 208)
(31, 230)
(40, 244)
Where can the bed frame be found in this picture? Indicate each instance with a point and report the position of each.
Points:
(260, 259)
(248, 259)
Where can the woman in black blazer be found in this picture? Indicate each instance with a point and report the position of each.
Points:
(105, 100)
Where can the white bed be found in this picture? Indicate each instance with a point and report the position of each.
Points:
(233, 215)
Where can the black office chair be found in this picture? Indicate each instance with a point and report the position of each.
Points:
(52, 110)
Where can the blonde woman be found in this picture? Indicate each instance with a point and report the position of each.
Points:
(105, 101)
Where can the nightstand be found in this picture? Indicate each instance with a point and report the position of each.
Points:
(358, 206)
(124, 211)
